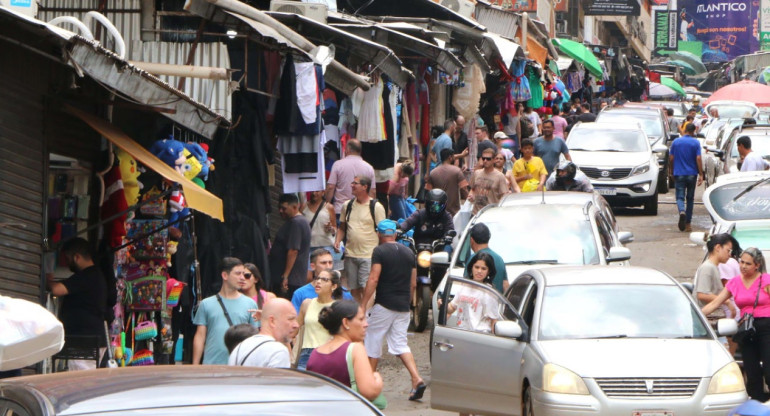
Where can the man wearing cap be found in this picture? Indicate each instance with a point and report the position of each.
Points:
(393, 277)
(500, 138)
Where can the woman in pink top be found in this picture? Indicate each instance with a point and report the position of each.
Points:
(346, 322)
(253, 286)
(744, 288)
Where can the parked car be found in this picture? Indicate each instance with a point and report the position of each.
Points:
(619, 162)
(680, 108)
(584, 340)
(739, 204)
(177, 390)
(733, 109)
(729, 159)
(654, 122)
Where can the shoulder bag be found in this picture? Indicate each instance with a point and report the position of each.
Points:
(227, 315)
(746, 330)
(380, 402)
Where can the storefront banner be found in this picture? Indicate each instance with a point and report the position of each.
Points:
(726, 29)
(516, 5)
(665, 31)
(613, 8)
(764, 24)
(561, 5)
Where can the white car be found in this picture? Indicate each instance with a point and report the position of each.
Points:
(739, 204)
(619, 161)
(585, 340)
(733, 109)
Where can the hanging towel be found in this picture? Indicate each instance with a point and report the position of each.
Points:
(307, 90)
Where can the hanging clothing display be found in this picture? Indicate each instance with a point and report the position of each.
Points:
(520, 89)
(306, 180)
(466, 98)
(368, 109)
(535, 88)
(381, 154)
(307, 91)
(573, 81)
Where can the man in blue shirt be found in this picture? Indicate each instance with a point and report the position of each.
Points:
(685, 163)
(444, 141)
(320, 259)
(549, 147)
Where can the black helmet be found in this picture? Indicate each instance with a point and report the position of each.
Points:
(435, 202)
(570, 171)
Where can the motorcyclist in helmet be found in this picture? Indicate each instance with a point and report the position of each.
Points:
(567, 177)
(431, 222)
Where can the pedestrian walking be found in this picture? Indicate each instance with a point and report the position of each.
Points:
(291, 248)
(269, 348)
(357, 229)
(254, 286)
(443, 141)
(320, 260)
(451, 180)
(685, 163)
(708, 282)
(343, 171)
(394, 278)
(217, 313)
(488, 185)
(537, 124)
(529, 171)
(559, 123)
(325, 226)
(397, 189)
(328, 288)
(751, 293)
(346, 323)
(549, 149)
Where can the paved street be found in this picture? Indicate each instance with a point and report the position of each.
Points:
(658, 244)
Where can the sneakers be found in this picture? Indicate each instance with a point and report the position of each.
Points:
(682, 220)
(688, 228)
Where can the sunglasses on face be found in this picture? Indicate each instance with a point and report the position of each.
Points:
(248, 275)
(486, 158)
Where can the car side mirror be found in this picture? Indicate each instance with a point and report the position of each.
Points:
(700, 136)
(698, 237)
(688, 287)
(508, 329)
(625, 237)
(726, 327)
(618, 254)
(439, 258)
(659, 148)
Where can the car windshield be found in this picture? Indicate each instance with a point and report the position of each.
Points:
(596, 311)
(753, 205)
(733, 110)
(538, 234)
(650, 124)
(759, 143)
(607, 140)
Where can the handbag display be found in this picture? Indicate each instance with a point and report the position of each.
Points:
(380, 402)
(145, 330)
(746, 330)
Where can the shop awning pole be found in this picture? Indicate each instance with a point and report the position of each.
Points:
(259, 16)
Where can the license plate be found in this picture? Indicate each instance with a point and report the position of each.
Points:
(606, 191)
(652, 413)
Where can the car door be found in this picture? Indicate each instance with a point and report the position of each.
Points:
(474, 371)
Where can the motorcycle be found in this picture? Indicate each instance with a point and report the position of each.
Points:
(432, 264)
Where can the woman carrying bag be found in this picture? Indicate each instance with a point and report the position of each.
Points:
(751, 294)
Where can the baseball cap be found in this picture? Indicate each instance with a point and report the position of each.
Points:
(387, 227)
(500, 135)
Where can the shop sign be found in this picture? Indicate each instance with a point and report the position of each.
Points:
(764, 24)
(665, 31)
(561, 5)
(725, 29)
(613, 8)
(517, 5)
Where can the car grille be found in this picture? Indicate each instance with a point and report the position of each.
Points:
(595, 173)
(638, 387)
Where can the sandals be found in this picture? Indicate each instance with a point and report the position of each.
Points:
(417, 392)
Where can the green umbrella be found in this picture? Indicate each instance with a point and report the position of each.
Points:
(580, 53)
(686, 67)
(554, 67)
(690, 58)
(669, 82)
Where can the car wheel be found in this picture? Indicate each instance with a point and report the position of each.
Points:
(663, 184)
(651, 205)
(526, 403)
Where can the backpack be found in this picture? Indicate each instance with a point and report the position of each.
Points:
(372, 204)
(527, 129)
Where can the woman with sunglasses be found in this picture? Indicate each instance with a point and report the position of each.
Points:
(312, 334)
(253, 286)
(750, 288)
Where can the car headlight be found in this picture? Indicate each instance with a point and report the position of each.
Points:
(727, 380)
(558, 379)
(641, 169)
(423, 259)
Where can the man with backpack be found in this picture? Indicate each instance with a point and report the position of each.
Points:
(358, 222)
(533, 125)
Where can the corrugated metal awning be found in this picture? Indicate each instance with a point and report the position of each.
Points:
(379, 55)
(496, 20)
(507, 49)
(446, 60)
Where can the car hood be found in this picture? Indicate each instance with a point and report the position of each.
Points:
(642, 357)
(609, 159)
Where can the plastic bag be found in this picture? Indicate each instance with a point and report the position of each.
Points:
(29, 333)
(462, 218)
